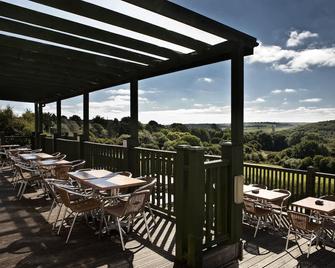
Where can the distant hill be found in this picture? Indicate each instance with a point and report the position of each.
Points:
(326, 129)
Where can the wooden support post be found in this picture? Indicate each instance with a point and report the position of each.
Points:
(35, 145)
(189, 204)
(59, 118)
(86, 123)
(310, 181)
(236, 150)
(132, 142)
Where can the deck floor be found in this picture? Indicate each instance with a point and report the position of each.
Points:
(26, 240)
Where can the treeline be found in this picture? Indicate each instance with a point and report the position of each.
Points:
(300, 147)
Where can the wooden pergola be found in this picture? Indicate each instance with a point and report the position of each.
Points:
(47, 58)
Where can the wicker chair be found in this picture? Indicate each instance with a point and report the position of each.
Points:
(302, 225)
(255, 209)
(81, 206)
(125, 173)
(61, 157)
(56, 154)
(281, 204)
(62, 172)
(129, 210)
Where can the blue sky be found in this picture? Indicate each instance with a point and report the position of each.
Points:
(289, 79)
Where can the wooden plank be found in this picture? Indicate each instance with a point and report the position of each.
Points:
(68, 40)
(38, 18)
(194, 19)
(111, 17)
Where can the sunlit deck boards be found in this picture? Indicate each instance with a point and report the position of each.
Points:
(26, 239)
(268, 250)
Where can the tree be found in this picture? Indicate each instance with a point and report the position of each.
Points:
(179, 127)
(100, 120)
(153, 126)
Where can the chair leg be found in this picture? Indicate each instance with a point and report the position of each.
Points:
(146, 225)
(69, 234)
(56, 220)
(309, 246)
(51, 208)
(288, 234)
(63, 218)
(151, 213)
(102, 220)
(23, 190)
(257, 226)
(120, 231)
(20, 188)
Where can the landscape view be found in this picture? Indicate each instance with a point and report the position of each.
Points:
(289, 145)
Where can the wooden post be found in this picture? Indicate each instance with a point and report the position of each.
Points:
(236, 150)
(59, 118)
(86, 127)
(310, 181)
(189, 204)
(36, 126)
(132, 142)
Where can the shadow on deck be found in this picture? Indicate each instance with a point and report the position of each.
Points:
(26, 238)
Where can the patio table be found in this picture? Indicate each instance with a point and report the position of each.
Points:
(36, 156)
(328, 207)
(248, 188)
(52, 162)
(266, 195)
(102, 180)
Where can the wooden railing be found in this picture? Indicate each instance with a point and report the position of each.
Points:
(300, 183)
(215, 227)
(69, 147)
(48, 145)
(105, 156)
(159, 164)
(20, 140)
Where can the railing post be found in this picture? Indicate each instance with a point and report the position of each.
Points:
(133, 158)
(310, 181)
(234, 213)
(82, 146)
(42, 141)
(189, 204)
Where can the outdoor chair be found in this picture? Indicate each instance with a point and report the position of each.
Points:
(26, 175)
(36, 151)
(56, 154)
(281, 204)
(261, 186)
(62, 172)
(77, 164)
(329, 220)
(61, 157)
(86, 204)
(125, 173)
(303, 225)
(128, 210)
(255, 209)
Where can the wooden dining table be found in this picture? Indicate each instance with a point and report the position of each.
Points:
(328, 207)
(103, 180)
(36, 156)
(265, 195)
(52, 162)
(248, 188)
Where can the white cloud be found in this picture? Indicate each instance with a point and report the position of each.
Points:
(270, 54)
(184, 99)
(276, 91)
(305, 59)
(205, 79)
(126, 91)
(258, 100)
(286, 90)
(198, 105)
(311, 100)
(18, 107)
(297, 39)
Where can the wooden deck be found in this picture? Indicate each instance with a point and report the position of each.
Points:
(26, 240)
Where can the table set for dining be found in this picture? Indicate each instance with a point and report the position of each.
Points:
(307, 217)
(76, 190)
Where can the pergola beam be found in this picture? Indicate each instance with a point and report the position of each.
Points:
(68, 40)
(111, 17)
(52, 22)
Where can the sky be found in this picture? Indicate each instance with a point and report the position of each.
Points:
(290, 77)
